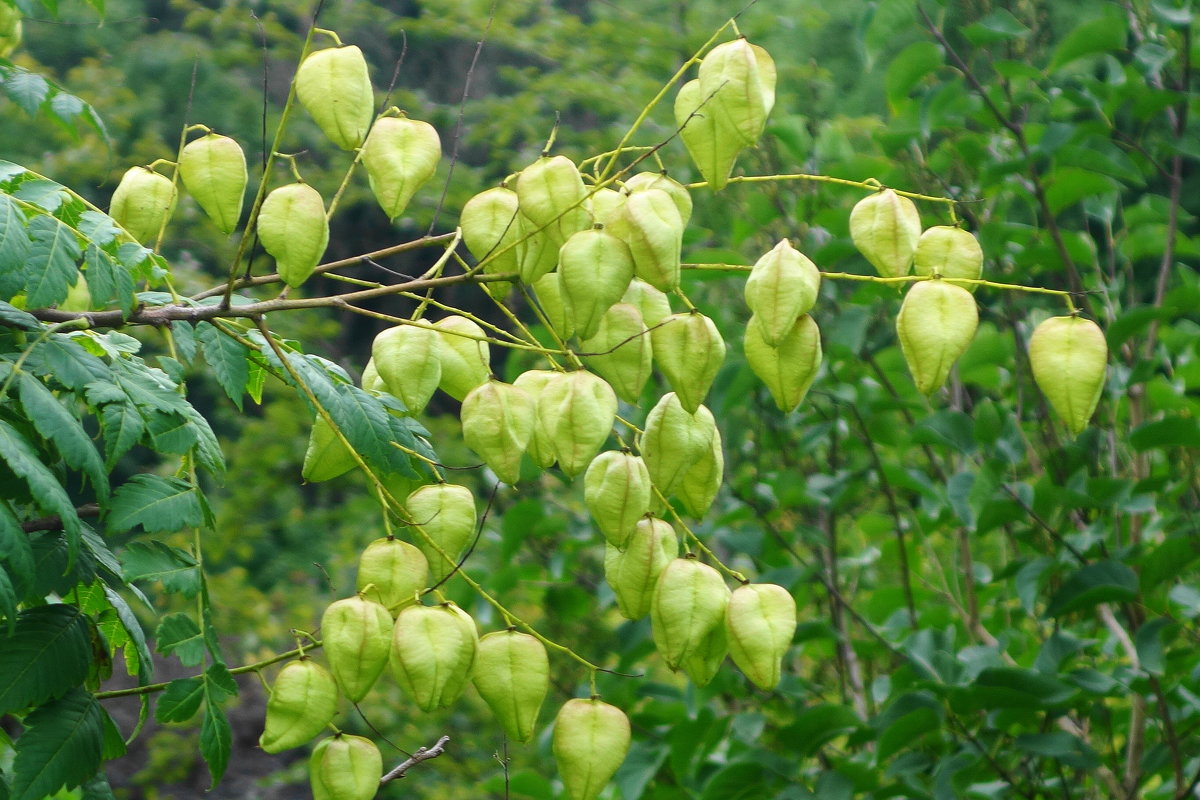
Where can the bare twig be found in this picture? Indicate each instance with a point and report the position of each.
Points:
(422, 754)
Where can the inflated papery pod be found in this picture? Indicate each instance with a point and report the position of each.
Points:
(788, 370)
(936, 323)
(604, 203)
(465, 355)
(740, 79)
(782, 286)
(632, 573)
(649, 223)
(303, 701)
(653, 304)
(711, 140)
(537, 251)
(704, 662)
(549, 292)
(1069, 357)
(213, 170)
(594, 270)
(540, 447)
(689, 350)
(660, 180)
(575, 413)
(371, 380)
(591, 740)
(392, 572)
(621, 351)
(552, 196)
(334, 86)
(949, 252)
(760, 621)
(142, 203)
(885, 227)
(408, 359)
(400, 156)
(293, 229)
(617, 490)
(673, 441)
(345, 767)
(700, 484)
(326, 457)
(357, 633)
(491, 228)
(498, 420)
(446, 513)
(688, 602)
(512, 675)
(433, 651)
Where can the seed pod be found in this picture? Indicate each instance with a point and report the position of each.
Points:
(674, 440)
(292, 228)
(213, 169)
(143, 203)
(760, 622)
(540, 448)
(497, 421)
(623, 352)
(335, 87)
(433, 649)
(740, 78)
(702, 665)
(591, 739)
(949, 252)
(79, 296)
(649, 223)
(594, 270)
(10, 29)
(689, 601)
(537, 251)
(465, 356)
(575, 413)
(885, 227)
(789, 369)
(409, 361)
(783, 285)
(446, 513)
(512, 675)
(303, 701)
(700, 484)
(935, 326)
(659, 180)
(345, 767)
(548, 290)
(632, 574)
(1069, 357)
(711, 140)
(491, 227)
(653, 304)
(392, 572)
(617, 491)
(689, 350)
(357, 633)
(604, 203)
(326, 457)
(400, 155)
(552, 196)
(371, 381)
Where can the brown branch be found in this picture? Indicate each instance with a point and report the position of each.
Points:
(54, 523)
(422, 754)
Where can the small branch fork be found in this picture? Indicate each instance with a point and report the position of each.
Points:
(422, 754)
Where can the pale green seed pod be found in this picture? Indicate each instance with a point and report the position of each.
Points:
(357, 635)
(303, 701)
(537, 251)
(623, 353)
(633, 573)
(466, 357)
(711, 141)
(1069, 357)
(783, 285)
(659, 180)
(936, 323)
(654, 305)
(326, 457)
(79, 296)
(702, 665)
(143, 203)
(497, 421)
(446, 513)
(760, 621)
(699, 486)
(548, 290)
(540, 447)
(371, 380)
(949, 252)
(512, 675)
(408, 359)
(689, 350)
(433, 650)
(292, 227)
(392, 572)
(575, 413)
(885, 227)
(552, 196)
(213, 170)
(591, 739)
(789, 369)
(674, 440)
(345, 767)
(617, 490)
(740, 78)
(594, 270)
(11, 29)
(649, 223)
(334, 85)
(400, 156)
(605, 203)
(491, 227)
(689, 601)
